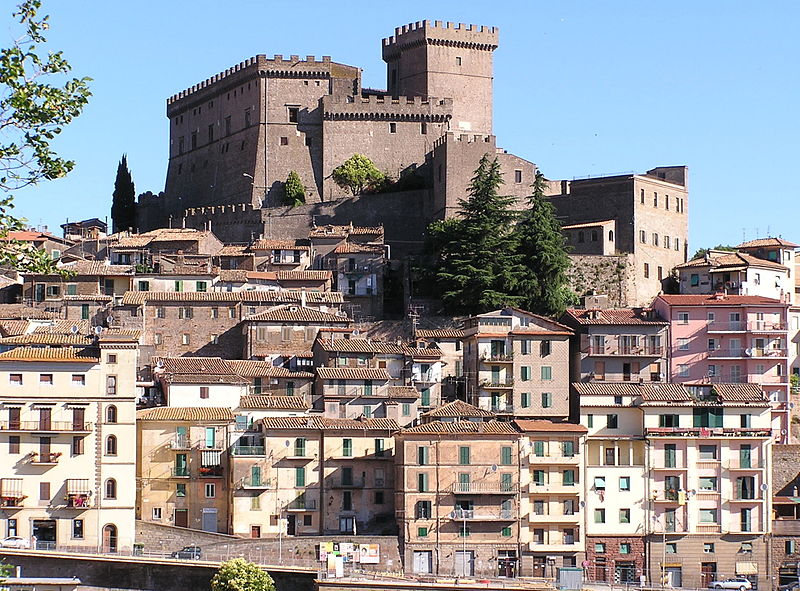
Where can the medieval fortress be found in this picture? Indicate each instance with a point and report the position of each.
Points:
(235, 137)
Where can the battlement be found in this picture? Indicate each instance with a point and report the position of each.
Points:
(441, 33)
(464, 138)
(400, 108)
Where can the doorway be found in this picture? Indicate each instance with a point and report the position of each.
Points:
(209, 522)
(464, 563)
(708, 573)
(110, 539)
(181, 518)
(44, 534)
(291, 525)
(423, 561)
(255, 531)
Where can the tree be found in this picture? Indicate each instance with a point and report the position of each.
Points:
(545, 286)
(33, 111)
(240, 575)
(123, 206)
(294, 191)
(477, 268)
(701, 252)
(357, 174)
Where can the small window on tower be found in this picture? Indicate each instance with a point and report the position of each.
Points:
(393, 128)
(293, 111)
(517, 176)
(458, 61)
(284, 141)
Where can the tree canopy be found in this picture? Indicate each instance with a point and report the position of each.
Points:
(357, 174)
(294, 191)
(240, 575)
(701, 252)
(123, 206)
(37, 99)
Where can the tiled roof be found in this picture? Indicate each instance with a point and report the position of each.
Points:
(201, 378)
(21, 311)
(343, 231)
(768, 242)
(740, 392)
(427, 354)
(264, 244)
(626, 316)
(134, 298)
(671, 392)
(730, 261)
(465, 427)
(273, 402)
(304, 275)
(44, 338)
(355, 248)
(353, 373)
(666, 392)
(587, 225)
(607, 388)
(291, 313)
(89, 297)
(328, 423)
(265, 369)
(360, 346)
(13, 327)
(234, 250)
(97, 268)
(137, 241)
(441, 333)
(233, 275)
(549, 426)
(50, 354)
(719, 300)
(194, 365)
(402, 392)
(177, 413)
(458, 408)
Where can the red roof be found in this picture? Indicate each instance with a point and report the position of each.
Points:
(615, 316)
(719, 300)
(550, 426)
(768, 242)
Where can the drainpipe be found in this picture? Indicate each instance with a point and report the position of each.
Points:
(321, 481)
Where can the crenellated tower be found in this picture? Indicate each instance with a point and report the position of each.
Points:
(445, 60)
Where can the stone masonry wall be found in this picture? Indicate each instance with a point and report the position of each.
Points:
(610, 275)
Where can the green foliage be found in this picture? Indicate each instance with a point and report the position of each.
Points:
(33, 111)
(240, 575)
(294, 191)
(703, 251)
(357, 174)
(123, 206)
(477, 268)
(545, 285)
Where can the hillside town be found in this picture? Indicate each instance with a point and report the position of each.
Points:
(234, 368)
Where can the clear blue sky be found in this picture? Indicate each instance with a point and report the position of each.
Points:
(580, 88)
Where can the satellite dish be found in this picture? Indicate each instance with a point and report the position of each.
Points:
(160, 364)
(494, 467)
(764, 486)
(74, 329)
(110, 319)
(286, 443)
(98, 330)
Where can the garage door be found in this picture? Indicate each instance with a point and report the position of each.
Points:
(423, 561)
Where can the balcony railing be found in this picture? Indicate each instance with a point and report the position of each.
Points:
(481, 488)
(766, 326)
(609, 351)
(744, 464)
(211, 471)
(498, 357)
(482, 515)
(77, 501)
(747, 353)
(180, 472)
(497, 383)
(554, 459)
(248, 450)
(502, 408)
(180, 443)
(256, 483)
(707, 432)
(46, 426)
(302, 505)
(47, 458)
(342, 483)
(727, 326)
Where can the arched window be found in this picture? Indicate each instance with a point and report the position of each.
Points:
(111, 445)
(111, 414)
(111, 489)
(611, 235)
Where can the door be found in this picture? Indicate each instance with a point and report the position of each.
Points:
(625, 572)
(708, 573)
(291, 525)
(181, 518)
(44, 534)
(673, 576)
(14, 417)
(423, 561)
(211, 438)
(110, 538)
(255, 531)
(78, 419)
(38, 294)
(209, 519)
(745, 456)
(464, 563)
(45, 415)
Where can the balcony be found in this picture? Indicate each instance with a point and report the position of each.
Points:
(302, 505)
(786, 527)
(709, 528)
(609, 351)
(46, 426)
(540, 547)
(77, 501)
(248, 450)
(707, 432)
(248, 482)
(766, 326)
(502, 408)
(554, 459)
(555, 488)
(497, 357)
(482, 515)
(45, 459)
(744, 464)
(11, 496)
(215, 471)
(180, 443)
(726, 327)
(497, 384)
(535, 519)
(424, 378)
(748, 353)
(180, 472)
(480, 488)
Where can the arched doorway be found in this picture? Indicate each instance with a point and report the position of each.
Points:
(110, 538)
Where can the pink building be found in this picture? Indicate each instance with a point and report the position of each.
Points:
(718, 338)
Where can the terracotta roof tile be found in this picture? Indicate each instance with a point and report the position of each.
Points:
(265, 244)
(607, 388)
(13, 327)
(344, 231)
(234, 250)
(740, 393)
(135, 298)
(402, 392)
(305, 275)
(623, 316)
(768, 242)
(274, 402)
(97, 268)
(355, 248)
(464, 427)
(441, 333)
(327, 423)
(720, 263)
(39, 338)
(549, 426)
(360, 346)
(66, 354)
(353, 373)
(715, 300)
(177, 413)
(296, 314)
(458, 408)
(265, 369)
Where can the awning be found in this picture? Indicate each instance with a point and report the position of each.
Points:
(746, 568)
(211, 458)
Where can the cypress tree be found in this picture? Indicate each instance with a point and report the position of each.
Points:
(477, 267)
(123, 206)
(294, 192)
(544, 286)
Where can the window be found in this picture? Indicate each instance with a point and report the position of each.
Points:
(161, 312)
(789, 547)
(505, 456)
(46, 379)
(423, 509)
(393, 127)
(694, 279)
(158, 338)
(660, 273)
(683, 317)
(300, 476)
(293, 113)
(642, 236)
(111, 445)
(180, 489)
(422, 456)
(708, 516)
(111, 489)
(672, 548)
(194, 140)
(422, 482)
(422, 532)
(625, 547)
(44, 491)
(612, 421)
(538, 449)
(77, 529)
(599, 515)
(347, 448)
(524, 373)
(668, 421)
(185, 339)
(525, 399)
(683, 344)
(547, 400)
(683, 370)
(247, 117)
(423, 128)
(666, 241)
(463, 456)
(506, 532)
(624, 483)
(707, 483)
(517, 176)
(655, 239)
(13, 444)
(568, 477)
(708, 548)
(624, 515)
(545, 348)
(547, 373)
(647, 270)
(111, 385)
(156, 513)
(184, 312)
(15, 379)
(406, 409)
(300, 447)
(568, 449)
(708, 452)
(72, 289)
(677, 244)
(590, 421)
(211, 490)
(379, 448)
(599, 548)
(77, 445)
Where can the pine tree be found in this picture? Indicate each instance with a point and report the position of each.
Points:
(477, 267)
(123, 207)
(294, 192)
(544, 287)
(357, 174)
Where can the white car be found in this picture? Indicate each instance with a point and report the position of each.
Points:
(15, 542)
(739, 583)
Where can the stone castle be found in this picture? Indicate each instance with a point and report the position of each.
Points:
(235, 137)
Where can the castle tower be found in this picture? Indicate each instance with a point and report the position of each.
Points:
(445, 60)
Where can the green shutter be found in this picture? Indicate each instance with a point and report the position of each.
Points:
(347, 448)
(463, 456)
(538, 449)
(568, 448)
(422, 456)
(506, 532)
(569, 477)
(425, 396)
(505, 456)
(299, 476)
(547, 372)
(525, 399)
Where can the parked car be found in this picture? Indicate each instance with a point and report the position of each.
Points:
(15, 542)
(188, 553)
(739, 583)
(790, 587)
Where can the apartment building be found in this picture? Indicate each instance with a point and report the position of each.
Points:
(313, 476)
(517, 364)
(182, 466)
(450, 342)
(265, 378)
(458, 498)
(68, 417)
(551, 496)
(719, 338)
